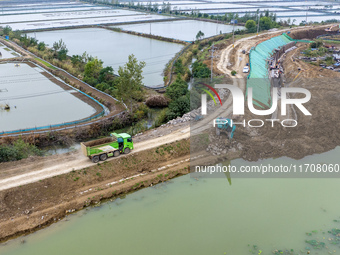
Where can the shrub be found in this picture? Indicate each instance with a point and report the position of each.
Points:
(161, 118)
(41, 46)
(316, 44)
(251, 26)
(200, 70)
(18, 150)
(233, 72)
(178, 107)
(177, 89)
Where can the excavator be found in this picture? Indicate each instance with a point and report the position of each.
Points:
(225, 125)
(331, 27)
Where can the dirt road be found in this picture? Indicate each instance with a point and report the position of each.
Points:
(40, 169)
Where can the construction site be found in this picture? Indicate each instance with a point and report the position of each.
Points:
(39, 191)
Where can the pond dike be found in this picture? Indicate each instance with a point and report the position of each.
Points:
(151, 36)
(106, 24)
(38, 205)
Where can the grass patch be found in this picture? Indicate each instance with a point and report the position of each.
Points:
(331, 41)
(45, 63)
(7, 49)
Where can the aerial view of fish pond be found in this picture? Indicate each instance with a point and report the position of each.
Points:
(179, 127)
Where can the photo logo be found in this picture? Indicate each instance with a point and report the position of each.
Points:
(238, 103)
(238, 100)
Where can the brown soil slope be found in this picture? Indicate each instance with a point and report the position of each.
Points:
(313, 134)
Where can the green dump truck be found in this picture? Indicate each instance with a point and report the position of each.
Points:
(112, 146)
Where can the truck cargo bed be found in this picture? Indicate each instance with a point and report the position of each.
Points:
(104, 144)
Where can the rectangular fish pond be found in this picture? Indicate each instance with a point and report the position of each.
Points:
(114, 48)
(36, 98)
(185, 30)
(7, 52)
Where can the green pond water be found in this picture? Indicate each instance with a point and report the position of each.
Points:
(202, 216)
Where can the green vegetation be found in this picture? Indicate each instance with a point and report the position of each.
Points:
(45, 63)
(251, 26)
(199, 35)
(200, 70)
(18, 150)
(41, 46)
(129, 83)
(160, 8)
(319, 51)
(316, 44)
(6, 30)
(179, 107)
(177, 89)
(60, 50)
(179, 68)
(268, 19)
(92, 70)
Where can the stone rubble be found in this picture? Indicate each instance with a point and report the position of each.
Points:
(196, 114)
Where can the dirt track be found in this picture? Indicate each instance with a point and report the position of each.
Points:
(12, 176)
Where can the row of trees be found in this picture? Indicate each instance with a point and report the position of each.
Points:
(164, 7)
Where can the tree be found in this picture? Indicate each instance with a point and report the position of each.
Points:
(92, 71)
(200, 70)
(199, 35)
(251, 26)
(265, 23)
(41, 46)
(179, 107)
(33, 41)
(266, 13)
(177, 89)
(76, 59)
(179, 68)
(62, 54)
(106, 75)
(288, 21)
(6, 30)
(130, 81)
(58, 46)
(155, 7)
(17, 34)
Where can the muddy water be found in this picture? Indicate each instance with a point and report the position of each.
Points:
(204, 216)
(114, 48)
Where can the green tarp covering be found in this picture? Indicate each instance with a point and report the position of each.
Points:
(258, 78)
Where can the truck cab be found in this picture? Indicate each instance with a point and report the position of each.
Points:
(124, 141)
